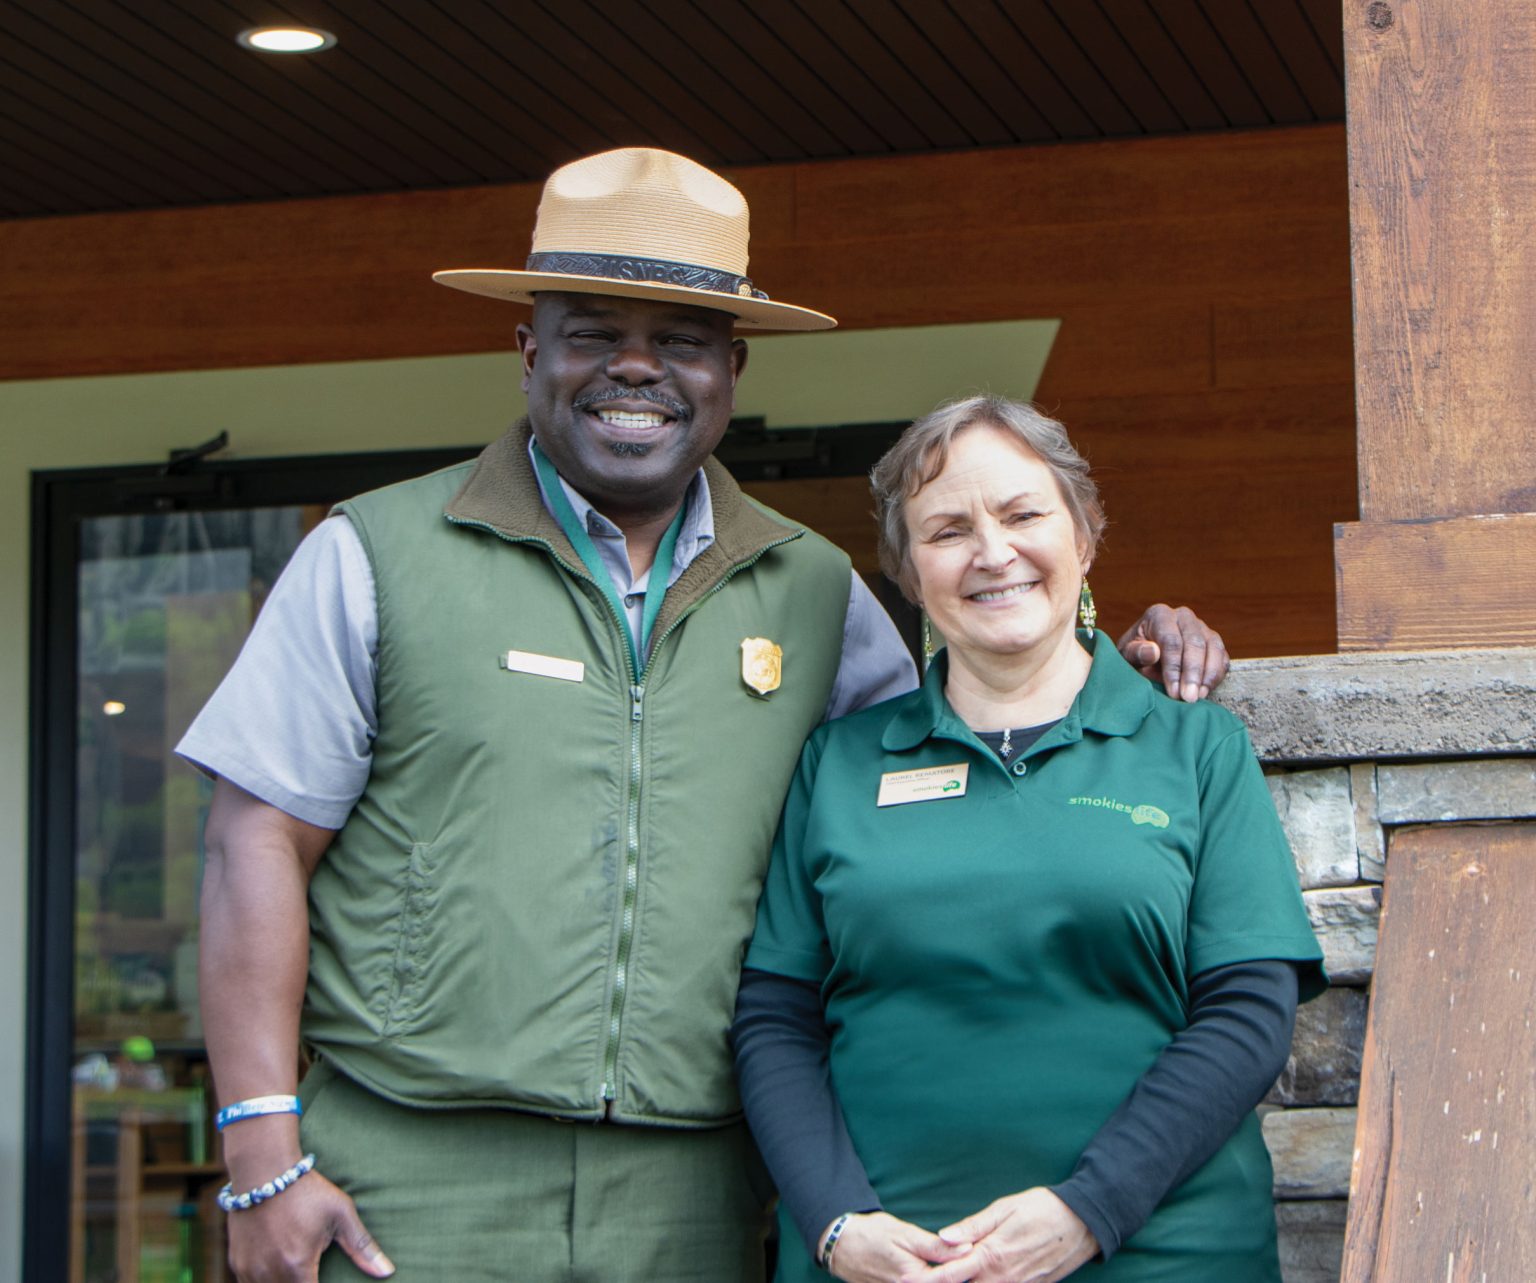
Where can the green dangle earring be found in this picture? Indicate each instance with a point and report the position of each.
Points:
(1086, 611)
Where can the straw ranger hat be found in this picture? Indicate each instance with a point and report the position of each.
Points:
(641, 223)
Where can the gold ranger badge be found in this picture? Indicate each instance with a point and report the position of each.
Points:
(762, 664)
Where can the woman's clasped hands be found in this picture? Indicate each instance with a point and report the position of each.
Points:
(1030, 1237)
(876, 1247)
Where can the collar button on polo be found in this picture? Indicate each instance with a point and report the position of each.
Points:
(1020, 767)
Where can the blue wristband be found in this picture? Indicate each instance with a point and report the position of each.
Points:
(829, 1245)
(256, 1107)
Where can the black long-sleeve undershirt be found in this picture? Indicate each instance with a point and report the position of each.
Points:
(1180, 1112)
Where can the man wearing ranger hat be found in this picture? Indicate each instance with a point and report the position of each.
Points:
(498, 773)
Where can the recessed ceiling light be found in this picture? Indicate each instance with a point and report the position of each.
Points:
(114, 708)
(286, 39)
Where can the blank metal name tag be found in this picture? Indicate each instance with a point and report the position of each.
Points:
(931, 784)
(525, 661)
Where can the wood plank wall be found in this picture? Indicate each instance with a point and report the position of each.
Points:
(1204, 360)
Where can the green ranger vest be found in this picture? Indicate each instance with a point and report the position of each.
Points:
(542, 899)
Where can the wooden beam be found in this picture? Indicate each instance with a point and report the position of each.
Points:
(1237, 220)
(1436, 584)
(1441, 1186)
(1442, 170)
(1463, 582)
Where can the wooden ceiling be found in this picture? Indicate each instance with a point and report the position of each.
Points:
(142, 104)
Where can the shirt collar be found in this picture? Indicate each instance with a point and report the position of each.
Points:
(1115, 700)
(697, 533)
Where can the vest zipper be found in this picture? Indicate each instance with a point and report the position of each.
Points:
(632, 834)
(609, 1089)
(627, 902)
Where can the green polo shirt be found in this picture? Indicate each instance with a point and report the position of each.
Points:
(1004, 956)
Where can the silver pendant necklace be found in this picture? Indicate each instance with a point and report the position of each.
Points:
(1007, 746)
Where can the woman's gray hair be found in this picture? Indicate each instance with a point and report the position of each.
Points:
(923, 449)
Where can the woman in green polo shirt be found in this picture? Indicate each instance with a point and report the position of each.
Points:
(1031, 943)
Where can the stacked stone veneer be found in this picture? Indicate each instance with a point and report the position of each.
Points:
(1355, 747)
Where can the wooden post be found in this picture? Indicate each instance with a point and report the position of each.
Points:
(1441, 1186)
(1441, 122)
(1442, 168)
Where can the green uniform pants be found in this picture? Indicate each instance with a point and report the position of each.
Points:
(481, 1195)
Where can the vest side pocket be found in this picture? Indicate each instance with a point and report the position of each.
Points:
(408, 971)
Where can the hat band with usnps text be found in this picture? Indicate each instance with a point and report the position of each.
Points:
(616, 267)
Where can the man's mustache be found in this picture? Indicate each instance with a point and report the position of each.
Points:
(674, 409)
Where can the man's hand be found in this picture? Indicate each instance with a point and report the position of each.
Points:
(1031, 1237)
(1177, 649)
(280, 1241)
(876, 1246)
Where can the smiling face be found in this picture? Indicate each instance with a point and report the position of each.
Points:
(628, 397)
(997, 560)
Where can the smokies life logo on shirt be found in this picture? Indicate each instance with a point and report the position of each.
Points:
(1142, 814)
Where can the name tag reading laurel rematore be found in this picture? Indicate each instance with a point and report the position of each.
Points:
(931, 784)
(525, 661)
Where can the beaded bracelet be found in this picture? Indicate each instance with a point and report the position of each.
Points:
(256, 1107)
(829, 1244)
(244, 1202)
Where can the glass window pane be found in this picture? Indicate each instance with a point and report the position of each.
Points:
(166, 601)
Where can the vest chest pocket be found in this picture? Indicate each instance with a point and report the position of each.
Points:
(409, 967)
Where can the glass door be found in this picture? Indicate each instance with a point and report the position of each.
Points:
(146, 584)
(165, 601)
